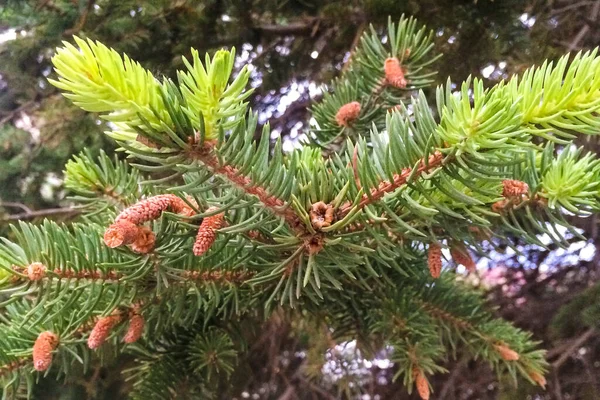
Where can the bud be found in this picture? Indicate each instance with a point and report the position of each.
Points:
(145, 241)
(121, 233)
(36, 271)
(347, 113)
(207, 232)
(135, 329)
(434, 260)
(461, 255)
(101, 330)
(394, 74)
(43, 347)
(506, 352)
(422, 385)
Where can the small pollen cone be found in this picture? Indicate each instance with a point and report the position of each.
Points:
(120, 233)
(538, 378)
(506, 352)
(43, 347)
(207, 233)
(151, 208)
(145, 241)
(347, 113)
(36, 271)
(514, 188)
(135, 329)
(434, 260)
(101, 330)
(461, 255)
(422, 386)
(394, 74)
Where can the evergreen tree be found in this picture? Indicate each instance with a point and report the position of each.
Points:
(181, 253)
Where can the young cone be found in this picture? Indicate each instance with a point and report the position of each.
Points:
(434, 260)
(36, 271)
(135, 329)
(101, 330)
(207, 232)
(347, 113)
(514, 188)
(422, 385)
(394, 75)
(145, 241)
(506, 352)
(151, 208)
(461, 255)
(43, 347)
(538, 378)
(121, 233)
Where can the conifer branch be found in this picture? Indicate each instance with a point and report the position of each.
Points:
(330, 229)
(502, 349)
(67, 273)
(219, 276)
(434, 161)
(208, 157)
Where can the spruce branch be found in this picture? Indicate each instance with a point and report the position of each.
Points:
(38, 271)
(306, 230)
(100, 80)
(209, 158)
(434, 161)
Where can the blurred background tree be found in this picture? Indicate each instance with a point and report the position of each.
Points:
(293, 46)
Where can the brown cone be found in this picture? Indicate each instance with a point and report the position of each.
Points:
(36, 271)
(43, 347)
(461, 255)
(101, 330)
(207, 233)
(121, 233)
(434, 260)
(145, 241)
(347, 113)
(422, 386)
(394, 75)
(135, 329)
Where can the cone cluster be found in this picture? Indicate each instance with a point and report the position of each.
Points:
(127, 229)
